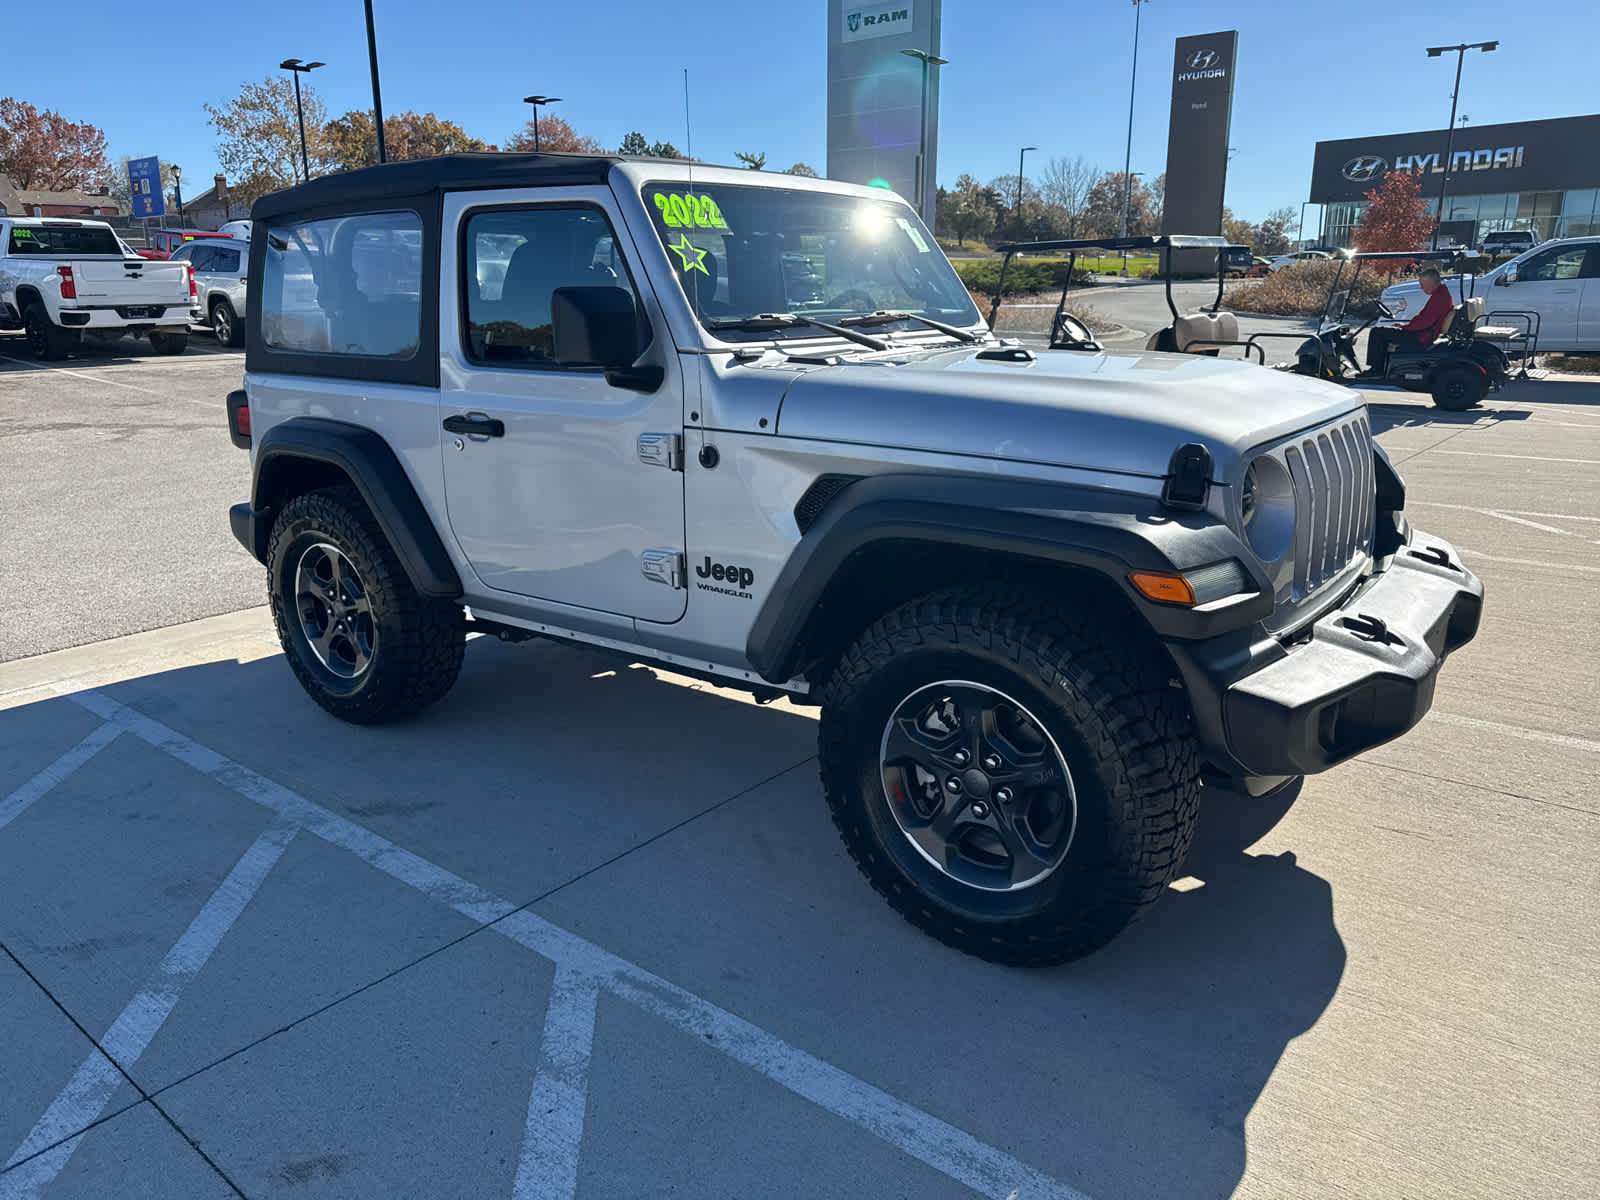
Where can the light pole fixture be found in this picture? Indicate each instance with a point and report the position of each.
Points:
(1127, 153)
(537, 101)
(928, 60)
(1021, 230)
(177, 191)
(1450, 130)
(295, 65)
(377, 97)
(923, 203)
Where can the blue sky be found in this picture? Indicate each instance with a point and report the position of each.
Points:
(1022, 72)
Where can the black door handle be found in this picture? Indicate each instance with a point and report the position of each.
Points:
(482, 426)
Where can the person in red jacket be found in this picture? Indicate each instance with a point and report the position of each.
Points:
(1420, 331)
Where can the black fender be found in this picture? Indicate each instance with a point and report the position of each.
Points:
(1107, 532)
(362, 456)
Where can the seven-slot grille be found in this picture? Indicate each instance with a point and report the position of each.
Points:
(1335, 495)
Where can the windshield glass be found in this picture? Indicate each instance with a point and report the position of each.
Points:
(741, 251)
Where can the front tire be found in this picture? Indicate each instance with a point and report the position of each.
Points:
(1043, 773)
(361, 640)
(47, 341)
(1457, 388)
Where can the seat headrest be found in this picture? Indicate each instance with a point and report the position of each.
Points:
(1206, 327)
(1472, 308)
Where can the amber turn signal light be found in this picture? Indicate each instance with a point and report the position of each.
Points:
(1165, 588)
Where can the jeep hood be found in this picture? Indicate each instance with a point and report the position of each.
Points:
(1098, 412)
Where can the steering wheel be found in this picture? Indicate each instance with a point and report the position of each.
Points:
(854, 298)
(1072, 334)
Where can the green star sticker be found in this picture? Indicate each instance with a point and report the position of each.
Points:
(694, 258)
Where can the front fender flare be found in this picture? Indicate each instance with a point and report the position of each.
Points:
(1108, 532)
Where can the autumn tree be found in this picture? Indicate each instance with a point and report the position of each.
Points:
(45, 150)
(1158, 201)
(756, 161)
(554, 135)
(1064, 185)
(1396, 216)
(967, 211)
(259, 146)
(1104, 206)
(349, 141)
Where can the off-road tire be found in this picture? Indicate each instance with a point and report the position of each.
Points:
(1106, 699)
(225, 324)
(169, 343)
(1457, 388)
(419, 640)
(47, 341)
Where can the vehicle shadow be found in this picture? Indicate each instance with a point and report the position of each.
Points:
(1129, 1073)
(1386, 414)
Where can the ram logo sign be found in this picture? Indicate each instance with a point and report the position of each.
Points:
(1364, 168)
(878, 20)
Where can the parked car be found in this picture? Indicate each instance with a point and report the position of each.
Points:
(65, 280)
(1558, 280)
(1278, 261)
(164, 241)
(1038, 596)
(220, 274)
(1508, 241)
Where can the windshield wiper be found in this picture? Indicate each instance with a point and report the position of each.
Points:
(793, 321)
(884, 317)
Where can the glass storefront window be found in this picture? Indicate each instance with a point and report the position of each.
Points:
(1580, 213)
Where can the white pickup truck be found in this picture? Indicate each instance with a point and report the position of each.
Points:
(65, 281)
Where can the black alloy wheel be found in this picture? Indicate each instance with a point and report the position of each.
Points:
(335, 614)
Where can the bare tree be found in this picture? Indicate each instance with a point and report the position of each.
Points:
(1065, 183)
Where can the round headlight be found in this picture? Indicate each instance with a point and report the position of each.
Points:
(1266, 509)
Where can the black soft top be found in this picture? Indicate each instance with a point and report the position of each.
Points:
(345, 190)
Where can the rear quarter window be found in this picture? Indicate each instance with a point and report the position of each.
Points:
(346, 285)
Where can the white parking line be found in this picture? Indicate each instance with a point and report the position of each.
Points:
(956, 1153)
(1517, 731)
(553, 1136)
(79, 371)
(14, 805)
(1587, 462)
(1579, 568)
(90, 1089)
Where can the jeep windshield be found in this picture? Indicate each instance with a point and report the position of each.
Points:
(744, 254)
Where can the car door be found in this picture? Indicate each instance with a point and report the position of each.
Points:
(201, 262)
(1589, 300)
(222, 276)
(1548, 282)
(573, 494)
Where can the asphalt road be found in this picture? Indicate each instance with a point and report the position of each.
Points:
(115, 476)
(584, 928)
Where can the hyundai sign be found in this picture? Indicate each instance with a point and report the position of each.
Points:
(1197, 135)
(1527, 156)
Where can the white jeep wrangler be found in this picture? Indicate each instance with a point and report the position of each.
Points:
(1040, 597)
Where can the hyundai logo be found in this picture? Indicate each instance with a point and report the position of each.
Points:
(1364, 168)
(1203, 60)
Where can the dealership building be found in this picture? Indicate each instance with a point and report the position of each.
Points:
(1538, 175)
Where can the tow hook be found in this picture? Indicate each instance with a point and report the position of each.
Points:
(1436, 555)
(1374, 629)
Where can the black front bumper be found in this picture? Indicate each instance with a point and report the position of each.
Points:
(1361, 675)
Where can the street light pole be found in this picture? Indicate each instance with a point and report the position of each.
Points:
(1450, 134)
(1021, 229)
(536, 101)
(377, 98)
(295, 65)
(928, 60)
(1127, 153)
(177, 192)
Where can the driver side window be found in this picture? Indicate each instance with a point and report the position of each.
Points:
(1562, 263)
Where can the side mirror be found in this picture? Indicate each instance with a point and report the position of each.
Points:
(1505, 278)
(599, 327)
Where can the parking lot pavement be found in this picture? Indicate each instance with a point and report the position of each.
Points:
(115, 476)
(585, 929)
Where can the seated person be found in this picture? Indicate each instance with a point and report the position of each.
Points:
(1420, 331)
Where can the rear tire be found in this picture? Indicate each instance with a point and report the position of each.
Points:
(225, 324)
(361, 640)
(47, 341)
(1055, 691)
(169, 343)
(1457, 388)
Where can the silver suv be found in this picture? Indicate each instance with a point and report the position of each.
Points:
(220, 276)
(1040, 598)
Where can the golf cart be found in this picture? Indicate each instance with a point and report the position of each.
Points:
(1199, 333)
(1463, 364)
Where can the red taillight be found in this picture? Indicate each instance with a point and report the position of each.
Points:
(241, 418)
(69, 289)
(189, 271)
